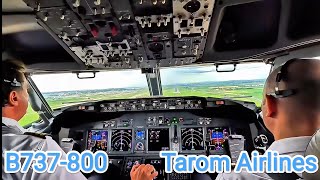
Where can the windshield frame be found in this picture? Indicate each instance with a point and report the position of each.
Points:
(50, 112)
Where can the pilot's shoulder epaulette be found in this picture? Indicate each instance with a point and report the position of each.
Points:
(40, 135)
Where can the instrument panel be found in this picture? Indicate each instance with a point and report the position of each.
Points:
(159, 133)
(129, 135)
(189, 125)
(158, 139)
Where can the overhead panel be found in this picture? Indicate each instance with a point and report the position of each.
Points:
(128, 33)
(192, 16)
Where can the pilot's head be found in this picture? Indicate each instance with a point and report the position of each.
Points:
(291, 102)
(14, 90)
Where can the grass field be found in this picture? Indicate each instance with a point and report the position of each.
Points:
(248, 92)
(30, 117)
(89, 97)
(64, 101)
(241, 93)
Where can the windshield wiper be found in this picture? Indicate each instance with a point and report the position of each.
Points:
(74, 102)
(234, 97)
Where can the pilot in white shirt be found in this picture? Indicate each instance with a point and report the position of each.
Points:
(314, 149)
(288, 146)
(290, 111)
(15, 138)
(14, 106)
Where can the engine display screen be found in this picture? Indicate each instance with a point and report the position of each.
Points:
(97, 140)
(192, 138)
(218, 135)
(158, 139)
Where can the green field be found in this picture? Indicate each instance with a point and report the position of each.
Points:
(239, 93)
(248, 92)
(30, 117)
(87, 97)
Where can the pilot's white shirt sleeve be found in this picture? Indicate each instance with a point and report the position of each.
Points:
(313, 149)
(61, 172)
(242, 176)
(289, 146)
(15, 142)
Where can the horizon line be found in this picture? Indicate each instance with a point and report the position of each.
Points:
(147, 87)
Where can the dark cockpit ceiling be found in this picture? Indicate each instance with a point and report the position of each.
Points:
(239, 30)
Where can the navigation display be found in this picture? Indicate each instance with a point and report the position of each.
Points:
(97, 140)
(218, 135)
(121, 140)
(158, 139)
(192, 138)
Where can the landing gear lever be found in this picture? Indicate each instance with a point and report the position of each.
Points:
(175, 134)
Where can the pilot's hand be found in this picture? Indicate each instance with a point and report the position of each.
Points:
(143, 172)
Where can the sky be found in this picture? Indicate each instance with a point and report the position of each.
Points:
(134, 78)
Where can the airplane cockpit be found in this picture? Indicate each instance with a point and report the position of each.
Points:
(136, 130)
(136, 77)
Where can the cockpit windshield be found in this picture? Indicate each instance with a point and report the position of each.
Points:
(66, 89)
(245, 83)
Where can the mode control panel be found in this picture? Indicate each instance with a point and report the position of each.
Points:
(152, 104)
